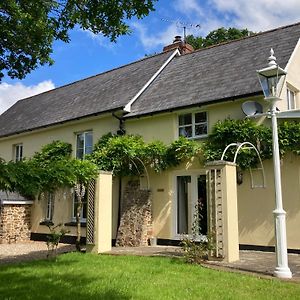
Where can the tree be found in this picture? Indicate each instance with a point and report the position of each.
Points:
(217, 36)
(29, 27)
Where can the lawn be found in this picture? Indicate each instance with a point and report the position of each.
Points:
(87, 276)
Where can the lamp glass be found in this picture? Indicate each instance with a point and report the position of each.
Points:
(271, 80)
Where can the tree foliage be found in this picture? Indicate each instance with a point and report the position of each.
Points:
(217, 36)
(29, 27)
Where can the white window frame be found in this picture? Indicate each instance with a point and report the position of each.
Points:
(193, 124)
(50, 207)
(84, 133)
(82, 220)
(290, 91)
(18, 152)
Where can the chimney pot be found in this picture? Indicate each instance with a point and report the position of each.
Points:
(177, 39)
(180, 45)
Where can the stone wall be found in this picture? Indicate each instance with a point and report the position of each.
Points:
(136, 217)
(14, 223)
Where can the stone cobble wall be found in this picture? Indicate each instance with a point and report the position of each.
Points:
(136, 217)
(14, 223)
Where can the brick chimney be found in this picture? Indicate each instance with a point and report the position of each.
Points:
(183, 47)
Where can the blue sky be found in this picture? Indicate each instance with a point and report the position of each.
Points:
(88, 54)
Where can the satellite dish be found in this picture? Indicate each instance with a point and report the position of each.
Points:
(251, 108)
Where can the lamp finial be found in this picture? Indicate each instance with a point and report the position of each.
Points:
(272, 59)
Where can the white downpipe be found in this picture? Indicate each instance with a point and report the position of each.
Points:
(127, 107)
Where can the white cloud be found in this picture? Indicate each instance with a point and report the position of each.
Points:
(256, 15)
(152, 41)
(11, 93)
(100, 39)
(189, 7)
(259, 15)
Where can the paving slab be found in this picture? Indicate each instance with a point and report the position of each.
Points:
(261, 263)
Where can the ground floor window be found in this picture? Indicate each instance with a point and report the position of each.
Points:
(50, 207)
(83, 212)
(191, 205)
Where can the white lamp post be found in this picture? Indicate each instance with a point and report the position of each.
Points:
(271, 79)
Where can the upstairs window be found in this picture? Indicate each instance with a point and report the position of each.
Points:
(291, 99)
(84, 144)
(18, 152)
(193, 125)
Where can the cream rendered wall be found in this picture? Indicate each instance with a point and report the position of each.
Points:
(33, 141)
(164, 127)
(157, 127)
(292, 79)
(255, 206)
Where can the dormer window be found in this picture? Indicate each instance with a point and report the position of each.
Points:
(193, 125)
(291, 99)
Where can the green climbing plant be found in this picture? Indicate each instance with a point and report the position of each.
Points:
(233, 131)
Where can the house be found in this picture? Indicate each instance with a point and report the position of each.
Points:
(177, 92)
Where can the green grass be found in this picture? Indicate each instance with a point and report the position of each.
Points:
(86, 276)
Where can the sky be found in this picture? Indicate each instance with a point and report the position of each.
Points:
(88, 54)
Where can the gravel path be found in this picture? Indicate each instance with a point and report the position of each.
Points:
(13, 253)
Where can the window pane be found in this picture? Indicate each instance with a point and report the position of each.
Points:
(291, 99)
(83, 213)
(201, 129)
(200, 117)
(88, 139)
(80, 141)
(182, 204)
(21, 152)
(185, 119)
(88, 150)
(79, 153)
(186, 131)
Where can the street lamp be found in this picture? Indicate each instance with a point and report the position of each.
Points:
(272, 79)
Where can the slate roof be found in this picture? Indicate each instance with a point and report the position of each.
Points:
(218, 73)
(107, 91)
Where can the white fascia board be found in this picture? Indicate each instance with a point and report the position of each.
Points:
(289, 114)
(292, 56)
(127, 107)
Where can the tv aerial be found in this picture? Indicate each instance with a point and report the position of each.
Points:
(182, 25)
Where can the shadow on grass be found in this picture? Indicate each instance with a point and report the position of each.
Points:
(49, 280)
(34, 255)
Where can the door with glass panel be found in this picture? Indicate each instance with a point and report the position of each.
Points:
(191, 205)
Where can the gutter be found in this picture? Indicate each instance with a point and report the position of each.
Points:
(127, 107)
(234, 98)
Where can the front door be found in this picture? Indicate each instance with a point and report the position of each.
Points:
(191, 205)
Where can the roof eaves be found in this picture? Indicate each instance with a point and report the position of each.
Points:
(233, 98)
(62, 122)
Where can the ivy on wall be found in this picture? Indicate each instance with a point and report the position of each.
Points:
(233, 131)
(48, 170)
(53, 167)
(129, 154)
